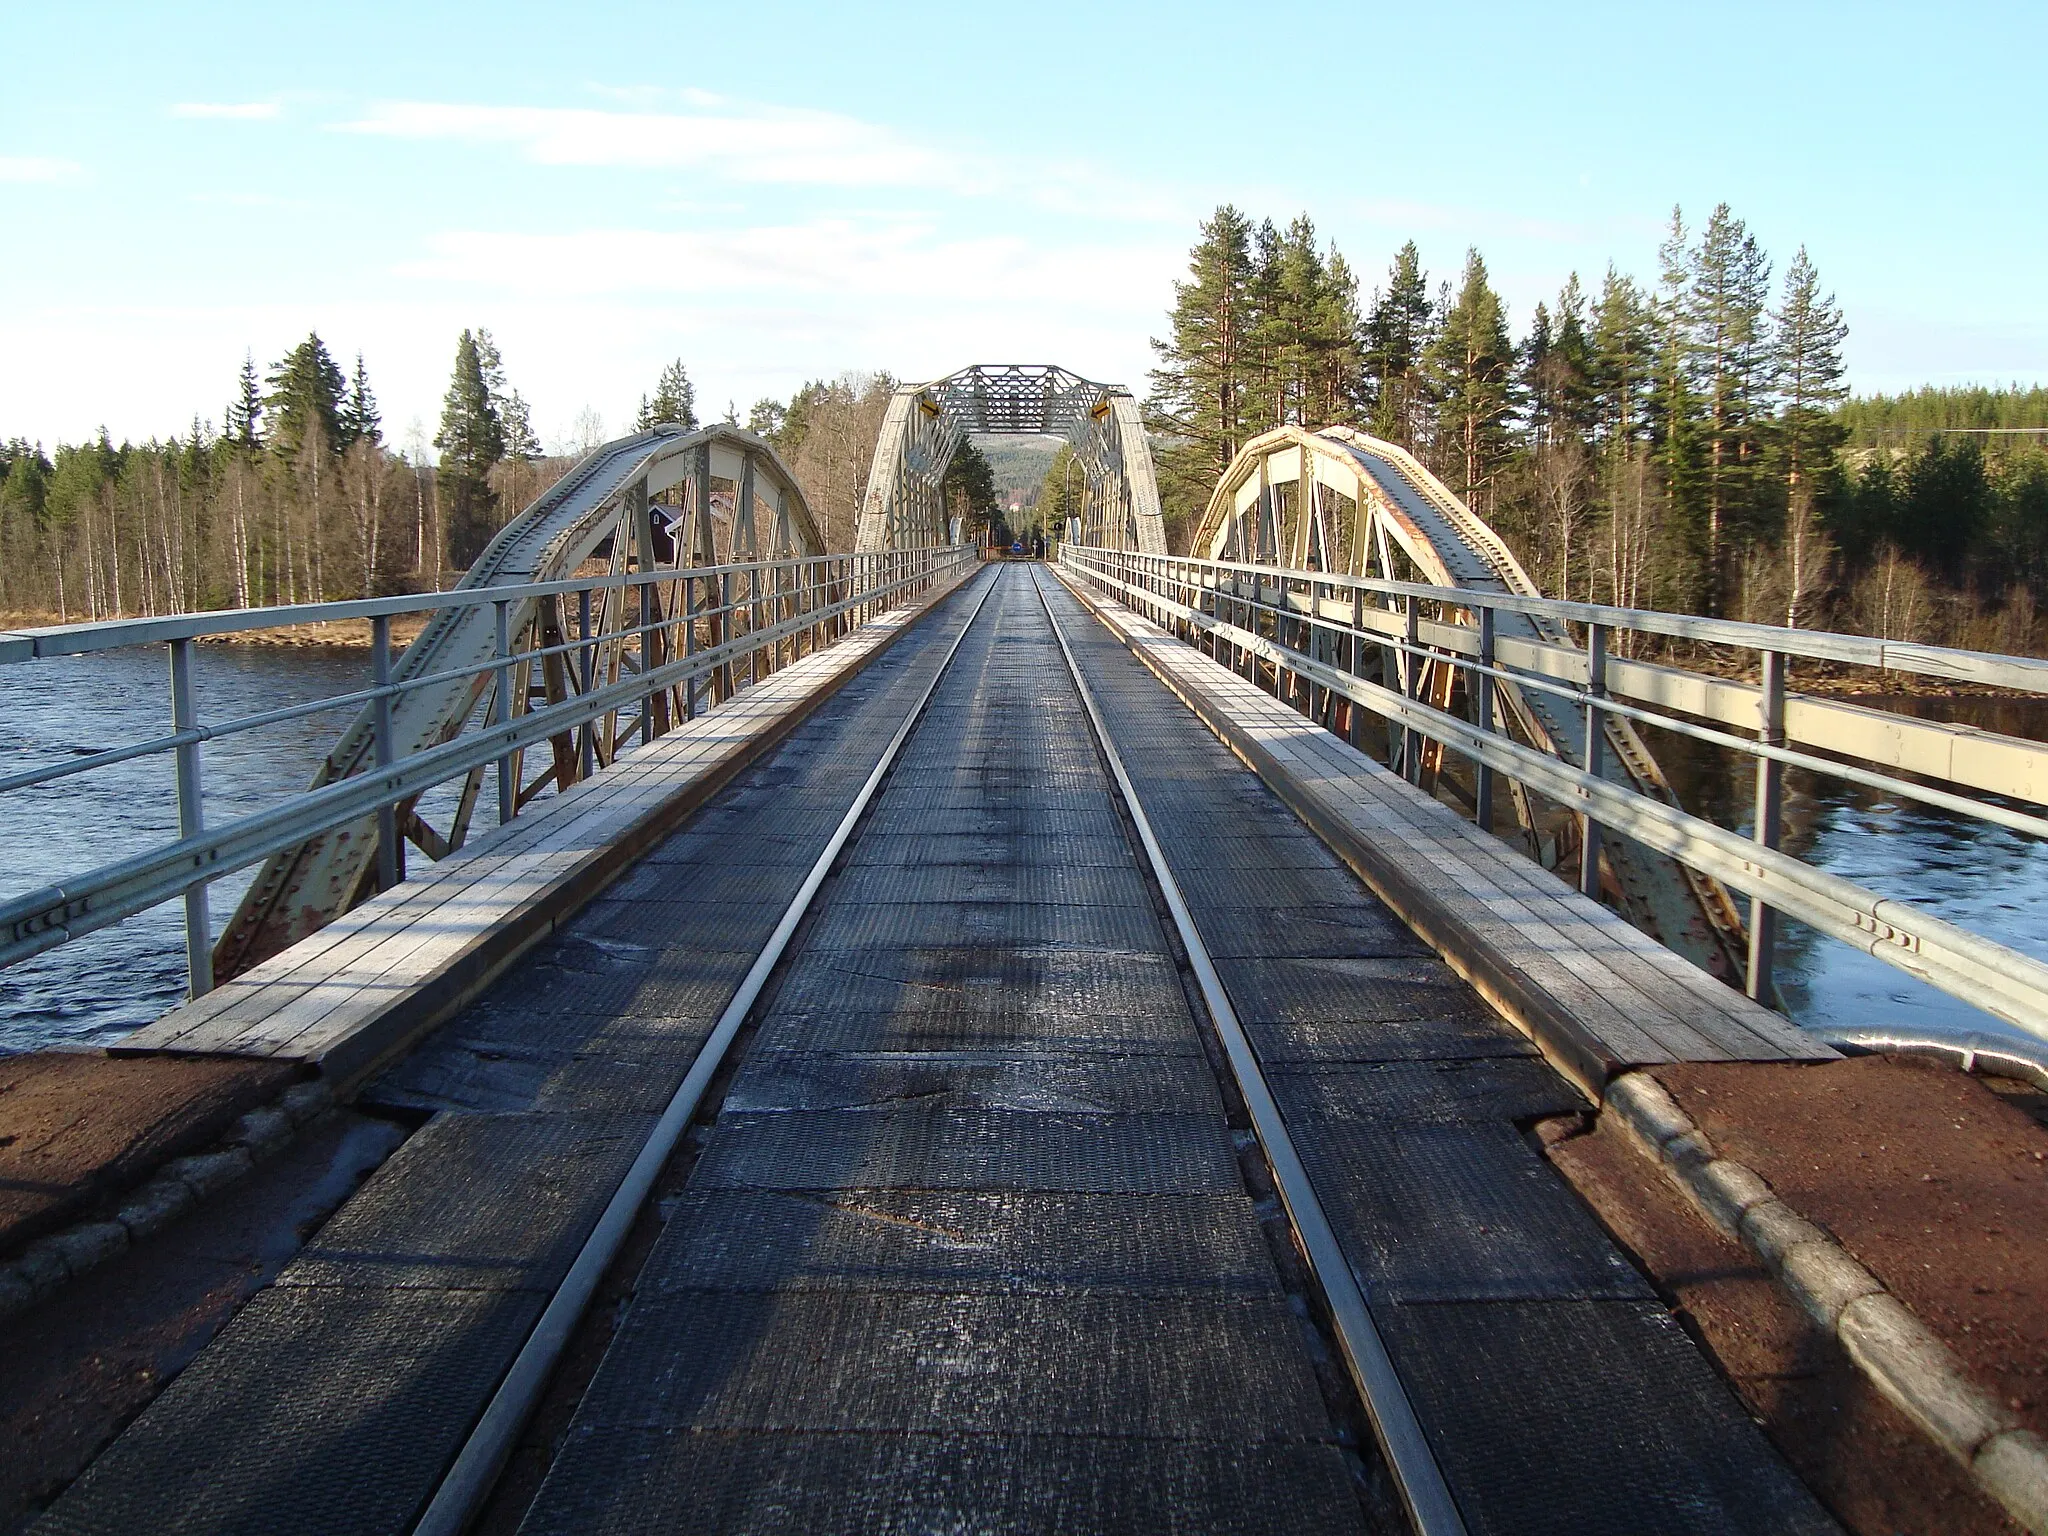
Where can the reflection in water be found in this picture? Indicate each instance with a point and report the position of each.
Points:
(98, 987)
(1982, 878)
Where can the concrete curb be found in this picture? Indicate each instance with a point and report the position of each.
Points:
(49, 1263)
(1901, 1356)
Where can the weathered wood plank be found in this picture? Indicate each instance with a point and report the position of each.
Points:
(1594, 993)
(347, 998)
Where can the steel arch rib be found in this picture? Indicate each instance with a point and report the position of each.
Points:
(1399, 503)
(300, 889)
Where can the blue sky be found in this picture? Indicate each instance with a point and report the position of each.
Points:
(782, 191)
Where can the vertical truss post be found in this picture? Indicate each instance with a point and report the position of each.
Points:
(1482, 797)
(642, 619)
(1411, 685)
(191, 820)
(390, 869)
(1355, 648)
(1770, 816)
(1596, 728)
(690, 645)
(586, 654)
(501, 714)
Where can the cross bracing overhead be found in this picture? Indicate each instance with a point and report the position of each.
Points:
(905, 503)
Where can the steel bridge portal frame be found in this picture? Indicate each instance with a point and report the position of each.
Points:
(905, 502)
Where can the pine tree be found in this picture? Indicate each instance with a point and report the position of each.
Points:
(1397, 333)
(244, 414)
(1202, 393)
(674, 402)
(1471, 365)
(1674, 419)
(1730, 358)
(471, 440)
(1809, 334)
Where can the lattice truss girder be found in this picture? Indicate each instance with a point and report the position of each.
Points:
(905, 500)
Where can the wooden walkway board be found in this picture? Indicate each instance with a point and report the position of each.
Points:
(348, 997)
(1594, 993)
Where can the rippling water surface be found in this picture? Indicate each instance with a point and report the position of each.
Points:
(91, 991)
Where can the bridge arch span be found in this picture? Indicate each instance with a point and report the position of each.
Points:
(1341, 501)
(730, 497)
(904, 505)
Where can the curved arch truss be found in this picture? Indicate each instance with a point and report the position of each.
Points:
(905, 501)
(1338, 500)
(668, 498)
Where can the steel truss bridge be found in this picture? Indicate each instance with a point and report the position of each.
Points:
(924, 1045)
(905, 500)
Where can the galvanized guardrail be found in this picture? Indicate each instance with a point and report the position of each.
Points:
(1314, 633)
(758, 615)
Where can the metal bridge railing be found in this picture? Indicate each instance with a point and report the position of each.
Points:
(731, 626)
(1311, 637)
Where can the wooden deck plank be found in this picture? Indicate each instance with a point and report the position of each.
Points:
(351, 995)
(1594, 993)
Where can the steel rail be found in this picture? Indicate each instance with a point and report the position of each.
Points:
(1580, 698)
(43, 919)
(1395, 1425)
(476, 1467)
(1993, 976)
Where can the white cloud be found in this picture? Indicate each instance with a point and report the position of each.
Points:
(745, 143)
(841, 259)
(37, 168)
(234, 111)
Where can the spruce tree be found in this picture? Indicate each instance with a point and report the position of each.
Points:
(244, 414)
(674, 401)
(471, 440)
(1471, 366)
(304, 404)
(1202, 401)
(1619, 365)
(1397, 333)
(359, 417)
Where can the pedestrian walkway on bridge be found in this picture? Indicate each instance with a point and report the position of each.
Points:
(976, 1233)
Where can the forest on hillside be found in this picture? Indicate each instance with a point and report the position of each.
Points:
(1683, 441)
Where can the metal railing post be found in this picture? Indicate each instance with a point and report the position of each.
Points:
(508, 787)
(191, 820)
(1770, 818)
(1482, 796)
(390, 868)
(1596, 726)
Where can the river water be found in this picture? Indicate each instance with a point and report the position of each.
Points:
(95, 989)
